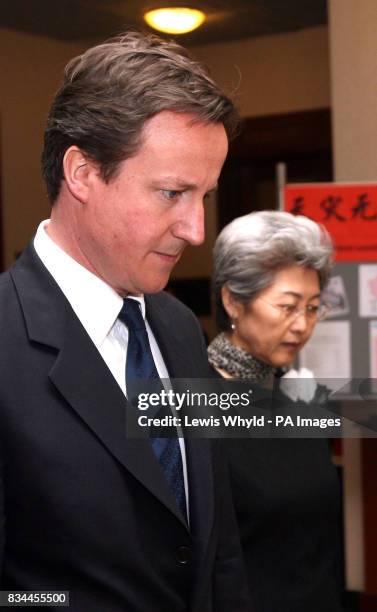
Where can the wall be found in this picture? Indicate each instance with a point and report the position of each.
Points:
(354, 91)
(30, 69)
(353, 57)
(280, 73)
(273, 74)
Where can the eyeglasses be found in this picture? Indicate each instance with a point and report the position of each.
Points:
(290, 312)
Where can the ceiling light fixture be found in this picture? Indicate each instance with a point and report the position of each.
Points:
(174, 20)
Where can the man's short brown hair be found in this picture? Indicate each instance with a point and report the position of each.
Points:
(111, 90)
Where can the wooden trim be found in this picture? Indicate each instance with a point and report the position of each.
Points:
(303, 140)
(1, 220)
(367, 603)
(369, 467)
(287, 134)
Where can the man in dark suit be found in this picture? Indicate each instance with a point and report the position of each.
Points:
(135, 140)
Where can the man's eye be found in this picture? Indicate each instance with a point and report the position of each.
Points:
(170, 194)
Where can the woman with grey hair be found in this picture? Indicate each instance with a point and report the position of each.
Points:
(269, 270)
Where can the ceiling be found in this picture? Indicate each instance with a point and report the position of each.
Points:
(94, 20)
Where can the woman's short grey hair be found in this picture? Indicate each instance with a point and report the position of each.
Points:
(112, 89)
(252, 249)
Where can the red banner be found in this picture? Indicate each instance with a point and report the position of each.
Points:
(347, 210)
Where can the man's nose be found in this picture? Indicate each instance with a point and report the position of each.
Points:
(190, 226)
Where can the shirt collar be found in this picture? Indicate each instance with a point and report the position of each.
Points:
(94, 302)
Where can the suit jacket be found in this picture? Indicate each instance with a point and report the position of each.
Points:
(83, 508)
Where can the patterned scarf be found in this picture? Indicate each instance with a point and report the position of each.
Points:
(237, 362)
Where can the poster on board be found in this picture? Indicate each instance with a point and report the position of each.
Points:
(347, 210)
(328, 352)
(368, 290)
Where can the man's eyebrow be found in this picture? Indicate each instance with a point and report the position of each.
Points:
(180, 183)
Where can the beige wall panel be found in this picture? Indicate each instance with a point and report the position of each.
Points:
(273, 74)
(30, 69)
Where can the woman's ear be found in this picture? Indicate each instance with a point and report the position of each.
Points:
(78, 172)
(231, 305)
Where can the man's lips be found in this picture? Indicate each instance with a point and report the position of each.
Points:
(169, 257)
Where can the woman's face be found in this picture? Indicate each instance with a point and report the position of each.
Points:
(274, 326)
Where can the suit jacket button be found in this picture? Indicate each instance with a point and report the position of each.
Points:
(183, 555)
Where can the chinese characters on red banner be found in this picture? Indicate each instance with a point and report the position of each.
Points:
(348, 211)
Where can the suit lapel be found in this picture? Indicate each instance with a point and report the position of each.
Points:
(174, 351)
(80, 374)
(198, 452)
(201, 490)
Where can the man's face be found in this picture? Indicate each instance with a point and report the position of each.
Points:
(132, 231)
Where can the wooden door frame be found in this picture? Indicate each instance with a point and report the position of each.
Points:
(305, 134)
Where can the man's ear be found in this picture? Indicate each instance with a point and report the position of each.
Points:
(231, 305)
(78, 172)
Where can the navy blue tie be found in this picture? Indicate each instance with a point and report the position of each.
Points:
(140, 364)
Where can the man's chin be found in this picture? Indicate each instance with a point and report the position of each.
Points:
(154, 285)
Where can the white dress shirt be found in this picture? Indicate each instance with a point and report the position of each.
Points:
(97, 306)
